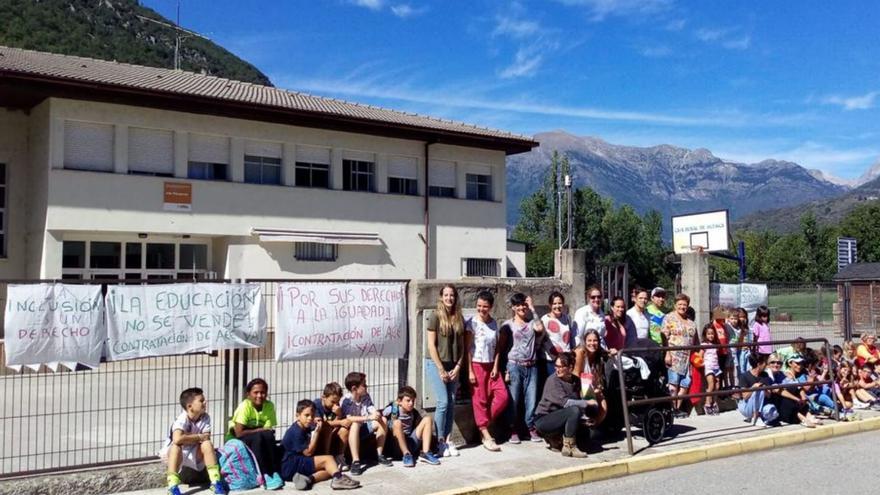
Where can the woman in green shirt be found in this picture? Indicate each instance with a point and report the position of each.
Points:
(253, 423)
(443, 365)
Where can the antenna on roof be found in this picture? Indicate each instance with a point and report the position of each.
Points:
(178, 37)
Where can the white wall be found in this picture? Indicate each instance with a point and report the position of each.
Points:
(87, 202)
(14, 127)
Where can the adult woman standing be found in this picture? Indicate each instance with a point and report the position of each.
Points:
(559, 337)
(525, 334)
(253, 423)
(446, 355)
(589, 366)
(680, 331)
(616, 335)
(489, 398)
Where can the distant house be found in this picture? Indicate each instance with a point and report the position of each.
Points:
(862, 282)
(114, 171)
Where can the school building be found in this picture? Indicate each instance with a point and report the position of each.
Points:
(112, 170)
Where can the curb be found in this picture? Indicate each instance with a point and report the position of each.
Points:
(573, 476)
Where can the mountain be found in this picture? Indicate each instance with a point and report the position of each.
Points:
(114, 30)
(827, 211)
(871, 174)
(669, 179)
(820, 175)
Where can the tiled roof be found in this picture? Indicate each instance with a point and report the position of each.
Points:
(177, 82)
(859, 271)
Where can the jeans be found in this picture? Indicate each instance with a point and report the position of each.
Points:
(523, 391)
(445, 394)
(561, 419)
(743, 360)
(755, 403)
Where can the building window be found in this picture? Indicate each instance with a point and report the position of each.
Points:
(262, 170)
(150, 152)
(312, 175)
(88, 146)
(481, 267)
(193, 257)
(479, 187)
(441, 191)
(73, 254)
(313, 251)
(3, 218)
(358, 175)
(399, 185)
(104, 260)
(207, 171)
(105, 255)
(160, 256)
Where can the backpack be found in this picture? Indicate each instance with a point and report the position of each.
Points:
(237, 465)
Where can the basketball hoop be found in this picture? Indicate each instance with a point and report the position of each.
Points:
(696, 248)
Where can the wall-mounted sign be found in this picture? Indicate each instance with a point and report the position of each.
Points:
(707, 231)
(178, 196)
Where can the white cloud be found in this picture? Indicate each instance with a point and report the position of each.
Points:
(741, 43)
(708, 35)
(863, 102)
(370, 4)
(515, 28)
(526, 63)
(731, 38)
(601, 9)
(658, 51)
(404, 10)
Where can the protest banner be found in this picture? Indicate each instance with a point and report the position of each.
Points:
(358, 319)
(167, 319)
(54, 324)
(746, 296)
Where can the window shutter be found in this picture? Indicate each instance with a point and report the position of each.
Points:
(359, 156)
(312, 154)
(88, 146)
(263, 148)
(150, 150)
(208, 149)
(480, 169)
(441, 173)
(403, 167)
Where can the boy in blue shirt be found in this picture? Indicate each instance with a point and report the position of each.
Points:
(336, 425)
(412, 431)
(365, 421)
(300, 464)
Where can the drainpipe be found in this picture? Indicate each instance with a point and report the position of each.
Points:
(427, 215)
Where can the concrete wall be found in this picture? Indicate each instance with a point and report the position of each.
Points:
(14, 154)
(70, 203)
(516, 259)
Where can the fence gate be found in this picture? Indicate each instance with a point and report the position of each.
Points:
(614, 280)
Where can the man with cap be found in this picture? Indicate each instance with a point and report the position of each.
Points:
(797, 349)
(656, 314)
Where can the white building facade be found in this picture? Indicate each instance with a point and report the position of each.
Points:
(112, 171)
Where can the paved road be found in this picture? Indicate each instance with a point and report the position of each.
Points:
(817, 467)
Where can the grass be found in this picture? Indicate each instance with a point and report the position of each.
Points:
(801, 305)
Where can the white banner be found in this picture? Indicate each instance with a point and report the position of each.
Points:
(321, 320)
(54, 324)
(166, 319)
(746, 296)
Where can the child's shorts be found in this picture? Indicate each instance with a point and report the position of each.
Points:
(715, 372)
(192, 457)
(367, 428)
(678, 379)
(414, 443)
(301, 464)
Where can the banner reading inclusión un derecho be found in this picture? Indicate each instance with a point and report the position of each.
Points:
(318, 320)
(54, 324)
(159, 320)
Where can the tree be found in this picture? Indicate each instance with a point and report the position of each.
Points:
(787, 260)
(863, 224)
(588, 210)
(812, 238)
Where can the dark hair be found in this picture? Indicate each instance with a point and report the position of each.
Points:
(638, 290)
(354, 379)
(253, 383)
(681, 296)
(303, 405)
(691, 313)
(567, 359)
(487, 296)
(406, 391)
(332, 388)
(517, 299)
(705, 330)
(837, 349)
(756, 359)
(189, 395)
(763, 311)
(554, 295)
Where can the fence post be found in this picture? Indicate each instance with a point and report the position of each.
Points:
(818, 304)
(847, 316)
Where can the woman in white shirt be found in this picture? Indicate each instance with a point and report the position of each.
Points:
(558, 326)
(489, 398)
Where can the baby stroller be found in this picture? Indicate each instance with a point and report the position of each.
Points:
(644, 376)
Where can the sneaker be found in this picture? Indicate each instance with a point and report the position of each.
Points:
(301, 481)
(340, 462)
(533, 436)
(875, 406)
(343, 482)
(514, 438)
(408, 460)
(490, 445)
(358, 468)
(453, 450)
(174, 490)
(429, 458)
(443, 449)
(679, 414)
(273, 482)
(381, 459)
(218, 488)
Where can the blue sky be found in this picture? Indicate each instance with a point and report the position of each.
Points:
(749, 80)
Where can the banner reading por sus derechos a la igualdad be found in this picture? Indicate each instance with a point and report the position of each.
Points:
(355, 319)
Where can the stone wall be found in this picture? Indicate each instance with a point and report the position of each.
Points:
(864, 305)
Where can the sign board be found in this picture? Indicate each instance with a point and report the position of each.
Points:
(846, 252)
(54, 324)
(323, 320)
(746, 296)
(177, 196)
(708, 230)
(167, 319)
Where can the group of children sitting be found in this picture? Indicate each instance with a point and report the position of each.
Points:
(315, 446)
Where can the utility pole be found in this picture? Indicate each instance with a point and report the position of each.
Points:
(178, 37)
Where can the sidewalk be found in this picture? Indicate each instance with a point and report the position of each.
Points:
(477, 466)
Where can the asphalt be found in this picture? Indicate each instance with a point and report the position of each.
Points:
(478, 470)
(817, 467)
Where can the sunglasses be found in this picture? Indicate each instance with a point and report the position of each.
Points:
(595, 297)
(775, 362)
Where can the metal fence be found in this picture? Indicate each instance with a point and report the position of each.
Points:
(804, 310)
(121, 411)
